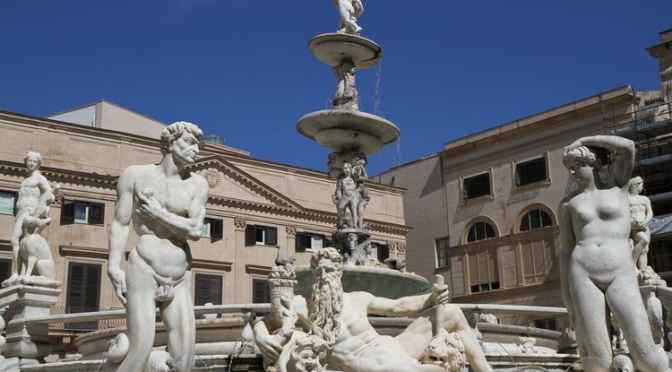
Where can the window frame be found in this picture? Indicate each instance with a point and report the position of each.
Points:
(218, 288)
(465, 186)
(485, 231)
(69, 213)
(445, 249)
(14, 197)
(302, 238)
(543, 159)
(212, 228)
(527, 213)
(269, 235)
(267, 290)
(92, 325)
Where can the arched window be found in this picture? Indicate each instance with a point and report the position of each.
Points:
(535, 219)
(480, 231)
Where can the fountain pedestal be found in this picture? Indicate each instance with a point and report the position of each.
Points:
(27, 342)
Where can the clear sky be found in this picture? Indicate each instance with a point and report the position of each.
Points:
(242, 68)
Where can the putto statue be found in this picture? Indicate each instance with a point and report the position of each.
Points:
(640, 216)
(349, 11)
(166, 205)
(32, 257)
(336, 329)
(596, 265)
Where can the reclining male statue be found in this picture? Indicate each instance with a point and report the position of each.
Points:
(340, 319)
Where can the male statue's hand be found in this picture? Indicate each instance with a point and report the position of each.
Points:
(147, 206)
(269, 345)
(440, 293)
(118, 279)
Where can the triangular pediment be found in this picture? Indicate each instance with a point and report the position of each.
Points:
(228, 182)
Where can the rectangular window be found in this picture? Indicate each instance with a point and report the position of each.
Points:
(442, 256)
(380, 251)
(531, 171)
(7, 202)
(74, 211)
(5, 269)
(476, 186)
(261, 235)
(260, 291)
(309, 241)
(484, 287)
(83, 294)
(546, 324)
(212, 228)
(208, 289)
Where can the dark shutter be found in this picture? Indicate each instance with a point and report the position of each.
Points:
(271, 237)
(5, 270)
(96, 214)
(383, 252)
(250, 235)
(83, 293)
(300, 244)
(260, 292)
(216, 229)
(208, 289)
(67, 212)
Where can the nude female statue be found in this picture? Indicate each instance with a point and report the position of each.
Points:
(596, 259)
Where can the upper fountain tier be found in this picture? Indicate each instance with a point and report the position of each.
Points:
(345, 127)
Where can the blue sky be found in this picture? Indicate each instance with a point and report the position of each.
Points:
(242, 68)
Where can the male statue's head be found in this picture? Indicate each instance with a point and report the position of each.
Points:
(181, 139)
(33, 160)
(326, 301)
(635, 185)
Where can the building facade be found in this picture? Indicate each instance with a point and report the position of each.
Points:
(484, 210)
(255, 208)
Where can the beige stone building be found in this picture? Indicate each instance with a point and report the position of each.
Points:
(484, 210)
(254, 209)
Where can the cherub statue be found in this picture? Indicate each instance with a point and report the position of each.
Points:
(349, 10)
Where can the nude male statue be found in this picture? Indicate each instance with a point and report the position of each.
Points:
(347, 199)
(166, 205)
(340, 319)
(640, 216)
(34, 197)
(596, 260)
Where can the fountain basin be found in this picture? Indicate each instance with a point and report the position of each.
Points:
(381, 282)
(332, 48)
(340, 130)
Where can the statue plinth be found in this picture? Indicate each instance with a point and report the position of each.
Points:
(29, 342)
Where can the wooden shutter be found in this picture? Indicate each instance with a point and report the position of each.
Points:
(208, 289)
(250, 235)
(67, 212)
(271, 236)
(260, 292)
(216, 227)
(96, 213)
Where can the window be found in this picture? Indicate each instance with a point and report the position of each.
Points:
(5, 269)
(7, 202)
(380, 251)
(484, 287)
(473, 187)
(261, 235)
(442, 257)
(212, 228)
(546, 324)
(82, 212)
(260, 291)
(483, 271)
(208, 289)
(480, 231)
(530, 172)
(535, 219)
(309, 241)
(83, 292)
